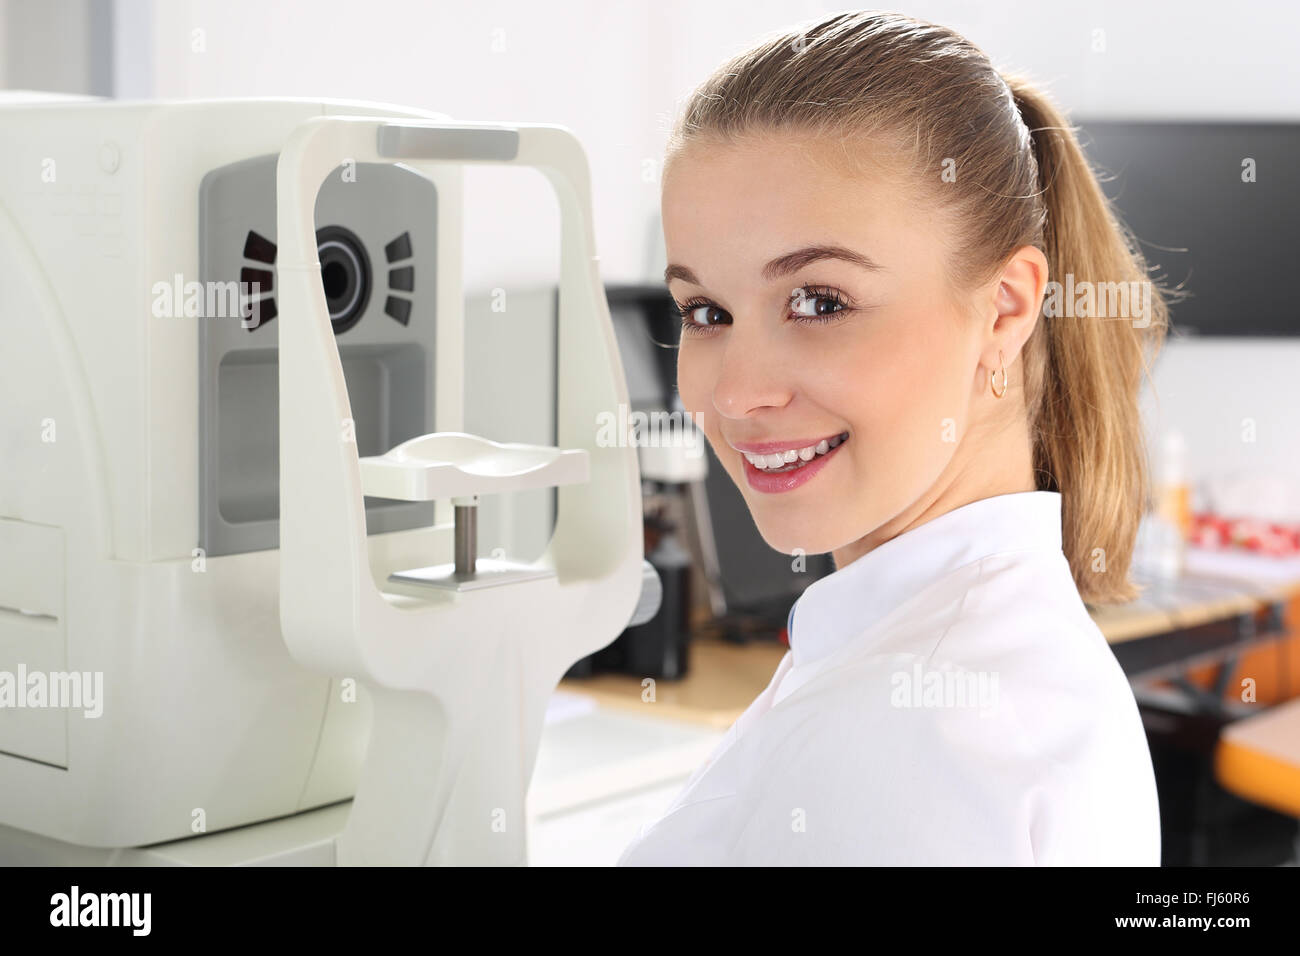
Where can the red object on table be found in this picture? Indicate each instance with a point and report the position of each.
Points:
(1256, 535)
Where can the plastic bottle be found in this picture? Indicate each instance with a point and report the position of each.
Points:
(1172, 506)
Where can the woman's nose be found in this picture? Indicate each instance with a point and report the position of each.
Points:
(752, 375)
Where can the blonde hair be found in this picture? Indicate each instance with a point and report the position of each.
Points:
(1023, 180)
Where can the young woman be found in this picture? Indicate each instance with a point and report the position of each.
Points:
(866, 226)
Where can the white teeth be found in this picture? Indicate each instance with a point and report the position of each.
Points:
(779, 460)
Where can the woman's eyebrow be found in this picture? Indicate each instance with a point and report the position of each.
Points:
(788, 263)
(794, 261)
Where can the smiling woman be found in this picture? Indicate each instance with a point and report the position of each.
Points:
(861, 219)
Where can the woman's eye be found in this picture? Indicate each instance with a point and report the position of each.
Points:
(814, 303)
(696, 316)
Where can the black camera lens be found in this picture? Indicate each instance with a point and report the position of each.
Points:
(345, 273)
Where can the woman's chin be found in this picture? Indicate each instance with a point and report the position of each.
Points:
(793, 542)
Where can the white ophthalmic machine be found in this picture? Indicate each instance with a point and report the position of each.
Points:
(258, 531)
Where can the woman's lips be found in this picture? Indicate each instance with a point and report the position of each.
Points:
(776, 482)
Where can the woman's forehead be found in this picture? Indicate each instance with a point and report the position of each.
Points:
(734, 211)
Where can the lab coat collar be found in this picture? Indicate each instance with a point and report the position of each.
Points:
(836, 608)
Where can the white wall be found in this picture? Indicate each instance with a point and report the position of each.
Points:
(1237, 402)
(586, 66)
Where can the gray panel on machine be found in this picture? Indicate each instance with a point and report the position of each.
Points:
(375, 222)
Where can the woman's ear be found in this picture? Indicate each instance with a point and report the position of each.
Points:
(1017, 302)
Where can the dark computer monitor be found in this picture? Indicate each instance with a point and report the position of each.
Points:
(1231, 243)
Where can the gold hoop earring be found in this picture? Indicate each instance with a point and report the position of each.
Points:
(992, 375)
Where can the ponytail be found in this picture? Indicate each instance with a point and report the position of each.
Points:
(1083, 372)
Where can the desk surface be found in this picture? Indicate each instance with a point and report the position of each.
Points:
(1216, 585)
(1163, 607)
(724, 677)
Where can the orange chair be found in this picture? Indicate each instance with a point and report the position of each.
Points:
(1258, 759)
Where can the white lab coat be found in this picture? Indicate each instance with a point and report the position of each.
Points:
(946, 700)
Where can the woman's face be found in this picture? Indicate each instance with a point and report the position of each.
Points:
(785, 349)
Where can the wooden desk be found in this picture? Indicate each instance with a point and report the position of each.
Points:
(1162, 607)
(723, 679)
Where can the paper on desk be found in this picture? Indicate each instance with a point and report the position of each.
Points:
(1243, 565)
(564, 705)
